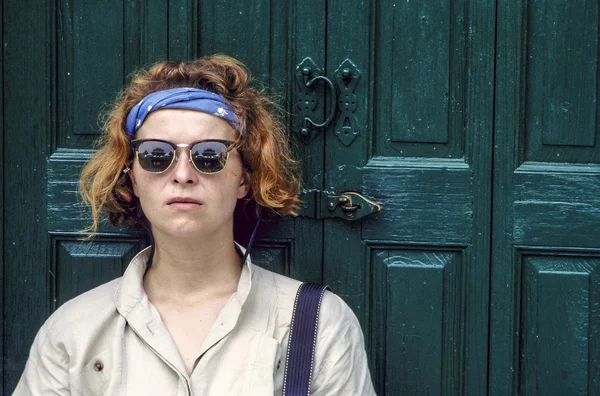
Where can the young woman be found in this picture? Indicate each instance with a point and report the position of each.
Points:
(192, 315)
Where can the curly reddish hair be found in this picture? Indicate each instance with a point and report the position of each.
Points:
(272, 171)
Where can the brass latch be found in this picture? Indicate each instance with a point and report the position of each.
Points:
(348, 205)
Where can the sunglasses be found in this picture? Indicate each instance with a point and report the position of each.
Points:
(207, 156)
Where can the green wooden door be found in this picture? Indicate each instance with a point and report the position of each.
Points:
(480, 141)
(68, 59)
(417, 273)
(545, 317)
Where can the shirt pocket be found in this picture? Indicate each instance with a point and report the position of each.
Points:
(95, 376)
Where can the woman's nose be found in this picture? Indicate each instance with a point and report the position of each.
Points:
(184, 171)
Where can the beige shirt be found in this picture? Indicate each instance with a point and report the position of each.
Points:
(112, 341)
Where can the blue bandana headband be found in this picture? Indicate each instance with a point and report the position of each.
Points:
(180, 98)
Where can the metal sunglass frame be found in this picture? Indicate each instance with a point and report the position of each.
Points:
(229, 145)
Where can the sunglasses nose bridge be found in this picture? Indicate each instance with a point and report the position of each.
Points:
(183, 146)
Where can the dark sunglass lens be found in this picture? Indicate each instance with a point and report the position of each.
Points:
(155, 156)
(209, 157)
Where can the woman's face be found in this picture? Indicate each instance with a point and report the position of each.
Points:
(161, 194)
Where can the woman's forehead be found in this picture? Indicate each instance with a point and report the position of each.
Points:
(188, 124)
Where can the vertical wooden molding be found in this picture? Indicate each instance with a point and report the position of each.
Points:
(206, 26)
(2, 192)
(303, 42)
(503, 364)
(29, 53)
(146, 27)
(183, 30)
(343, 164)
(479, 125)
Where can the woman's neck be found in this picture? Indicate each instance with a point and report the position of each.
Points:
(188, 271)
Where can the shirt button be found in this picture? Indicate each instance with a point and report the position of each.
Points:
(98, 366)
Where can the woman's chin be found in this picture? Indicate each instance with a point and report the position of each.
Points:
(187, 230)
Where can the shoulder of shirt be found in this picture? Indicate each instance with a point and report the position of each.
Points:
(284, 287)
(95, 305)
(334, 310)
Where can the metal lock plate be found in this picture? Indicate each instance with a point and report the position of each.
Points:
(348, 205)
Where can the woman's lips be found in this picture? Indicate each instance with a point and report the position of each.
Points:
(183, 203)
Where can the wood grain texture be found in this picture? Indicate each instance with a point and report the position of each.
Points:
(418, 299)
(306, 37)
(28, 123)
(275, 256)
(182, 29)
(349, 32)
(66, 211)
(544, 197)
(479, 120)
(561, 82)
(503, 363)
(146, 33)
(557, 208)
(420, 77)
(415, 198)
(2, 192)
(562, 69)
(559, 323)
(90, 70)
(434, 194)
(240, 30)
(81, 266)
(420, 68)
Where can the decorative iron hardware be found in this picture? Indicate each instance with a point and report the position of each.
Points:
(346, 77)
(307, 74)
(348, 205)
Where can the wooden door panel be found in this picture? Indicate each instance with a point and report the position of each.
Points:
(557, 205)
(417, 273)
(80, 267)
(560, 323)
(417, 73)
(274, 255)
(91, 38)
(561, 89)
(546, 228)
(420, 79)
(417, 319)
(415, 196)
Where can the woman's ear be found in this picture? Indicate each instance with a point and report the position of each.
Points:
(244, 186)
(133, 182)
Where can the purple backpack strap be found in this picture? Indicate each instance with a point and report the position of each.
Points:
(303, 339)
